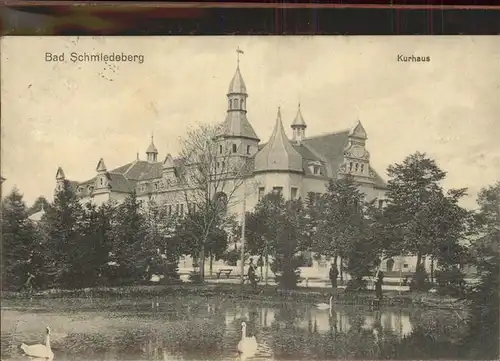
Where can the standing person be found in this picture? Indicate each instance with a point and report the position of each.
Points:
(251, 273)
(334, 272)
(378, 284)
(260, 264)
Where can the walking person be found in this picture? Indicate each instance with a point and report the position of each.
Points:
(334, 272)
(379, 281)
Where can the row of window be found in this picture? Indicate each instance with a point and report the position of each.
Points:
(279, 190)
(234, 148)
(235, 103)
(357, 167)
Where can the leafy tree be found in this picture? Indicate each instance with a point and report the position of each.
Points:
(483, 335)
(276, 228)
(337, 217)
(420, 219)
(90, 264)
(39, 204)
(263, 227)
(165, 249)
(61, 232)
(130, 256)
(362, 253)
(18, 236)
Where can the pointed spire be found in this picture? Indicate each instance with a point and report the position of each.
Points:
(278, 154)
(237, 85)
(168, 162)
(152, 152)
(358, 131)
(60, 174)
(299, 127)
(299, 122)
(101, 167)
(137, 158)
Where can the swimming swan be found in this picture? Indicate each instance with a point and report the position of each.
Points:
(248, 345)
(325, 306)
(39, 351)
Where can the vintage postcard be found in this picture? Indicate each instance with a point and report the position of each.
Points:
(221, 198)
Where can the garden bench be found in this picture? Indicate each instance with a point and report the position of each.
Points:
(226, 272)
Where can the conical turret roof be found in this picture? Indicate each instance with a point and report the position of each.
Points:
(152, 147)
(278, 154)
(299, 120)
(237, 85)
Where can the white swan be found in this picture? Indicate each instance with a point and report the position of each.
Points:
(326, 306)
(247, 347)
(39, 351)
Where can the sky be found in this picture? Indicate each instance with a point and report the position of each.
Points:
(72, 114)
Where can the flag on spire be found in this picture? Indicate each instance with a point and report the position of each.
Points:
(239, 51)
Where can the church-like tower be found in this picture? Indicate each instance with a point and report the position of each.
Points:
(152, 152)
(237, 136)
(299, 127)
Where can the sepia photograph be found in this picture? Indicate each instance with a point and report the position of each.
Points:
(250, 198)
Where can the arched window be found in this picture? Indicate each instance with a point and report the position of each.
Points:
(390, 265)
(242, 102)
(350, 166)
(362, 168)
(235, 103)
(357, 167)
(230, 104)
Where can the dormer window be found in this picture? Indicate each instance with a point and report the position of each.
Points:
(316, 169)
(156, 186)
(102, 181)
(234, 148)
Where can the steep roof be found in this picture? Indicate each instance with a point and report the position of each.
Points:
(331, 147)
(299, 120)
(152, 147)
(237, 85)
(37, 217)
(236, 124)
(278, 154)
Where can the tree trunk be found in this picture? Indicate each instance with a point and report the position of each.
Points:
(202, 263)
(267, 269)
(432, 270)
(341, 271)
(211, 262)
(419, 260)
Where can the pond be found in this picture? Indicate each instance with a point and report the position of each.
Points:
(198, 328)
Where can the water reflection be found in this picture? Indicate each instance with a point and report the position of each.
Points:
(199, 329)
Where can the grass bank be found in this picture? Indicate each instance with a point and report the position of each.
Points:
(269, 293)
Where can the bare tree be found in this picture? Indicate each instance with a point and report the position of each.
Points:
(212, 172)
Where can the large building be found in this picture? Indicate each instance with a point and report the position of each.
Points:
(293, 166)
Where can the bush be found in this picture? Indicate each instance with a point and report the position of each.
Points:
(289, 279)
(195, 277)
(420, 280)
(450, 282)
(231, 257)
(356, 284)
